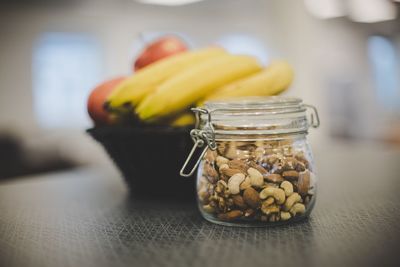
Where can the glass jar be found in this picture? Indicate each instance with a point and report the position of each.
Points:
(256, 167)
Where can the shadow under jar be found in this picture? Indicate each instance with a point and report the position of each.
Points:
(256, 167)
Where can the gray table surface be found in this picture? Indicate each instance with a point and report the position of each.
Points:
(85, 217)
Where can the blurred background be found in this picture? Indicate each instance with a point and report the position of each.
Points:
(346, 56)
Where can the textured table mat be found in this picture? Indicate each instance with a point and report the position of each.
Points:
(86, 217)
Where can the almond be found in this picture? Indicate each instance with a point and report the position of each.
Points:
(239, 201)
(274, 178)
(258, 167)
(210, 173)
(230, 215)
(291, 175)
(238, 164)
(303, 184)
(251, 197)
(230, 171)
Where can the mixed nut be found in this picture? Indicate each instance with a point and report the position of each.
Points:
(267, 181)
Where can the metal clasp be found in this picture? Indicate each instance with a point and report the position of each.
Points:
(200, 138)
(314, 116)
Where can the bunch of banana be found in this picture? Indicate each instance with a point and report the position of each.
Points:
(272, 80)
(164, 91)
(132, 90)
(195, 83)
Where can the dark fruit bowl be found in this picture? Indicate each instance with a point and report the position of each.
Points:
(150, 159)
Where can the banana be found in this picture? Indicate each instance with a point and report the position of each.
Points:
(273, 80)
(183, 120)
(194, 83)
(132, 90)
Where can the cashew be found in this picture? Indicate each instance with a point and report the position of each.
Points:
(268, 209)
(245, 184)
(291, 200)
(208, 209)
(285, 216)
(223, 166)
(256, 178)
(298, 208)
(269, 201)
(277, 193)
(221, 160)
(234, 183)
(287, 187)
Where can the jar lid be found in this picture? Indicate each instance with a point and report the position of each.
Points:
(251, 116)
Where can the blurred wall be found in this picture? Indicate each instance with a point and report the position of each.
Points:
(320, 51)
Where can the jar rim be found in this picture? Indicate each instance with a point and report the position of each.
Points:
(266, 105)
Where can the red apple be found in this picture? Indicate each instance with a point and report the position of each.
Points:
(97, 97)
(161, 48)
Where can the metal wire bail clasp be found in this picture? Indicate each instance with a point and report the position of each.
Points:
(200, 138)
(314, 121)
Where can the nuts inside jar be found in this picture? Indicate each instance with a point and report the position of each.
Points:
(270, 184)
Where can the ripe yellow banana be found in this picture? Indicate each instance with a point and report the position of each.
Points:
(194, 83)
(183, 120)
(132, 90)
(273, 80)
